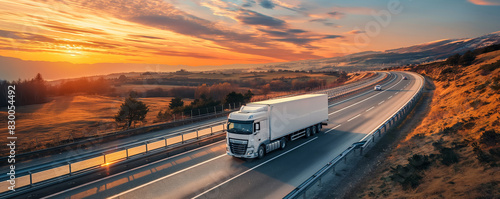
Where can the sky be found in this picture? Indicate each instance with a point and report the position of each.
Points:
(218, 32)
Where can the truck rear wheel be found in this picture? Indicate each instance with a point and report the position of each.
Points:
(282, 143)
(314, 130)
(319, 126)
(308, 132)
(261, 152)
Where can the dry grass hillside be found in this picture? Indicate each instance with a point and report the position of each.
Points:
(455, 151)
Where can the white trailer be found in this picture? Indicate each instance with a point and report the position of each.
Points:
(261, 127)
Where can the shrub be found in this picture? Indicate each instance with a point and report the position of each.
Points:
(488, 68)
(419, 162)
(448, 156)
(467, 58)
(489, 138)
(406, 176)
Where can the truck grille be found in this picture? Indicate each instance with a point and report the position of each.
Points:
(238, 148)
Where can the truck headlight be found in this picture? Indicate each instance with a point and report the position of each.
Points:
(250, 150)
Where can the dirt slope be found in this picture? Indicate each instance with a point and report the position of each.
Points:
(455, 151)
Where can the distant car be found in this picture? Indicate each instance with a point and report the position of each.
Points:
(378, 88)
(405, 78)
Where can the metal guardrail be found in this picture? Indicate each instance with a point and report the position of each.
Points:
(302, 189)
(27, 178)
(59, 170)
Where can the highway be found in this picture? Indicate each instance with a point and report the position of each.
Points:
(207, 172)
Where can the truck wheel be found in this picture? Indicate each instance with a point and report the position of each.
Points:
(308, 132)
(319, 127)
(314, 130)
(282, 143)
(261, 152)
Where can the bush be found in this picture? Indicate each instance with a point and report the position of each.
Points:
(453, 60)
(467, 58)
(419, 162)
(488, 68)
(448, 156)
(489, 138)
(406, 176)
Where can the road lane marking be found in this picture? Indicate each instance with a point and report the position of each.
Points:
(107, 177)
(358, 95)
(421, 85)
(396, 93)
(333, 128)
(354, 117)
(251, 169)
(364, 99)
(390, 97)
(167, 176)
(370, 109)
(381, 102)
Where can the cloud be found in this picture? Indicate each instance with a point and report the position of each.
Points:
(325, 22)
(333, 36)
(355, 32)
(283, 33)
(485, 2)
(266, 4)
(254, 18)
(336, 14)
(248, 3)
(68, 28)
(353, 10)
(25, 36)
(147, 37)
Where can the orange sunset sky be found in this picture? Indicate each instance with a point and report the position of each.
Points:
(216, 32)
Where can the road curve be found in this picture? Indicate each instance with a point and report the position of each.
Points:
(207, 172)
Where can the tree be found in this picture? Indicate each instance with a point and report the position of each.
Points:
(266, 89)
(131, 110)
(467, 58)
(164, 116)
(453, 60)
(248, 96)
(176, 102)
(122, 78)
(234, 98)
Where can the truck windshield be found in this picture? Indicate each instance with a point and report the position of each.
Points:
(240, 127)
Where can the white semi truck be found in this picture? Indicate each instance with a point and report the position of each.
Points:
(261, 127)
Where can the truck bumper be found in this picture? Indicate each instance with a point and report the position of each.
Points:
(251, 155)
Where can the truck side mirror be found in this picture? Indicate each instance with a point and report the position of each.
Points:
(257, 126)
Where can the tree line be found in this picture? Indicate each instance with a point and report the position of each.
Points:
(133, 110)
(30, 91)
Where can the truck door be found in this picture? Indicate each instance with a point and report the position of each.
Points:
(263, 132)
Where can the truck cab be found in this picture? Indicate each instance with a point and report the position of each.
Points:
(247, 130)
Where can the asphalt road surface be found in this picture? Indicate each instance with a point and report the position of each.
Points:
(207, 172)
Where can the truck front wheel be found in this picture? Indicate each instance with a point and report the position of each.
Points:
(261, 152)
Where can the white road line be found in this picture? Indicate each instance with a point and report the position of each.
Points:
(167, 176)
(390, 97)
(333, 128)
(356, 96)
(370, 109)
(107, 177)
(396, 93)
(251, 169)
(381, 102)
(354, 117)
(364, 99)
